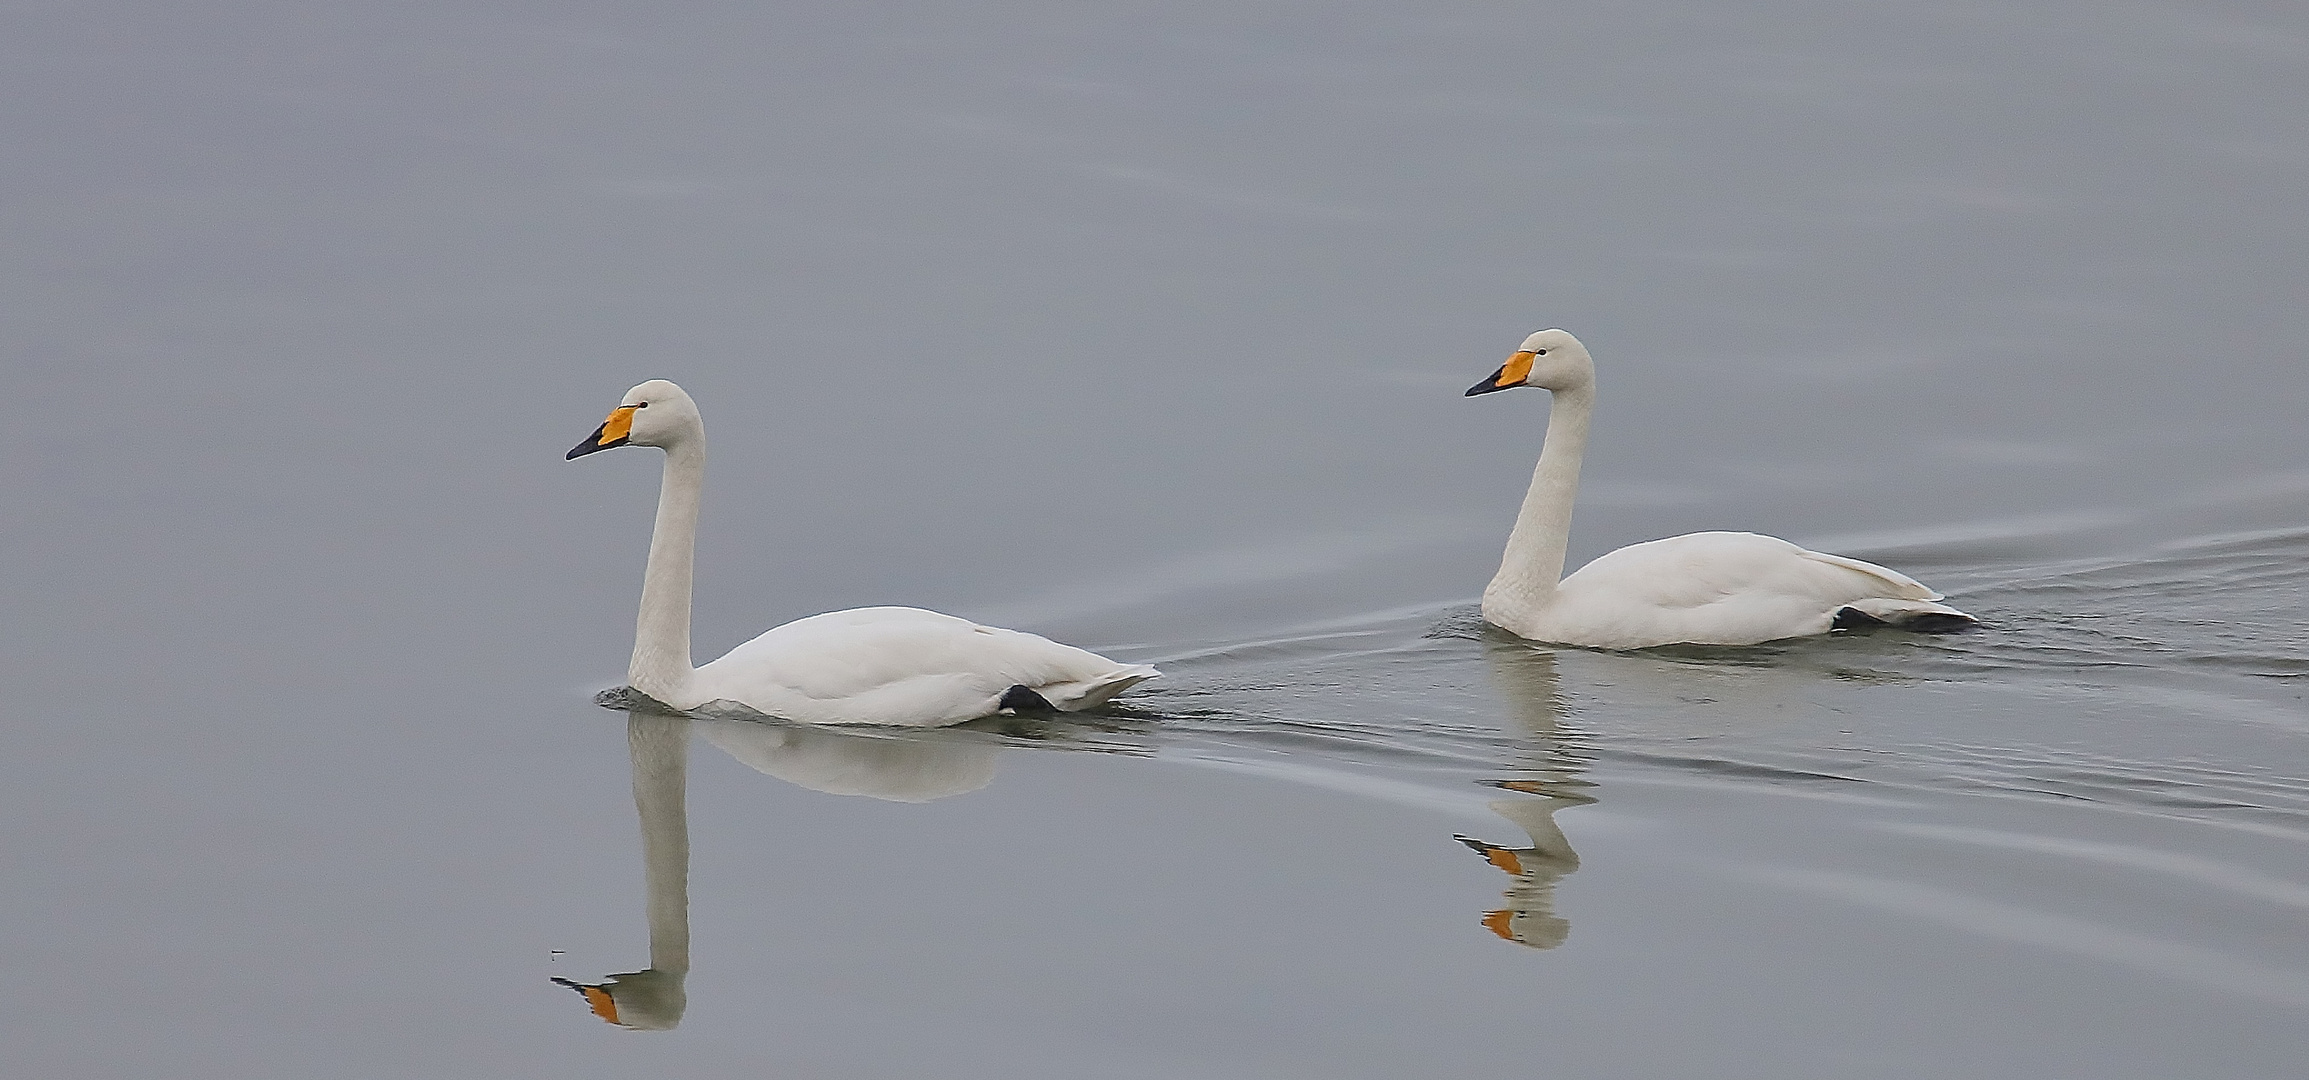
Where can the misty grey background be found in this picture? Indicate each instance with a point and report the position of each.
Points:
(1142, 325)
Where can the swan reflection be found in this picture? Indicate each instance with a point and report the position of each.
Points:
(652, 999)
(899, 767)
(1526, 678)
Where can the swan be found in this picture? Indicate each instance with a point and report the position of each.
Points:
(1709, 588)
(896, 666)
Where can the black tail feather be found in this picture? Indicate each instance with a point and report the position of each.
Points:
(1021, 698)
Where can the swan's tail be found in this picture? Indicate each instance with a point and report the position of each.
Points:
(1092, 693)
(1920, 615)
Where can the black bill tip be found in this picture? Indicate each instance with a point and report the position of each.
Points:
(1491, 385)
(593, 442)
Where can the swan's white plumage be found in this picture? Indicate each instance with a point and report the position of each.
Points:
(1714, 588)
(884, 665)
(869, 665)
(1710, 588)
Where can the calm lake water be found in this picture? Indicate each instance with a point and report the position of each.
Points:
(1145, 329)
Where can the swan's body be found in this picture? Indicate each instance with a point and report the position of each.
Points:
(868, 665)
(883, 665)
(1711, 588)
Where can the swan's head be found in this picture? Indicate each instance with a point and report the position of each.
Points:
(1550, 360)
(656, 413)
(649, 1000)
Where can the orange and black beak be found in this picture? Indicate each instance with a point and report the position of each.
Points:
(612, 434)
(596, 998)
(1509, 376)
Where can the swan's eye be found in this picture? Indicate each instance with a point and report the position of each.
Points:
(639, 405)
(1539, 352)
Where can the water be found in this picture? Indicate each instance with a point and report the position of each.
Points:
(1146, 330)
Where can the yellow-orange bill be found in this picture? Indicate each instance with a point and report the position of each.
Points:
(612, 432)
(620, 422)
(1510, 374)
(1517, 369)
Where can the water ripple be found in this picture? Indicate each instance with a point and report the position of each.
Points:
(2167, 683)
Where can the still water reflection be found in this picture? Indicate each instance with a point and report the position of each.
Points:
(908, 767)
(1526, 680)
(921, 766)
(653, 998)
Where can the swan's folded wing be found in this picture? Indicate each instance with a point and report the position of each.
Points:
(1722, 588)
(897, 666)
(1694, 570)
(1896, 585)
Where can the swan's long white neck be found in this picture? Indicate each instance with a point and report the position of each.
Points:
(1533, 563)
(661, 658)
(660, 746)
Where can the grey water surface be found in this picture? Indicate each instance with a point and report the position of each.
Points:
(1143, 327)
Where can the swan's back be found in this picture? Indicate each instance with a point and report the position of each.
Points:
(1716, 588)
(904, 666)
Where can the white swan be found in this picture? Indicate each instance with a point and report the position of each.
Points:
(1711, 588)
(882, 665)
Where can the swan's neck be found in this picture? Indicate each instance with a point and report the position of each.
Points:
(1533, 564)
(660, 747)
(661, 659)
